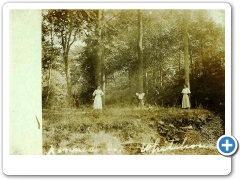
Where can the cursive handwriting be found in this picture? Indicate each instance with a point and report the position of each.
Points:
(153, 147)
(53, 151)
(145, 148)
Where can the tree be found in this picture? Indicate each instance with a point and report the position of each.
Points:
(144, 51)
(69, 26)
(140, 53)
(49, 47)
(185, 45)
(49, 54)
(100, 65)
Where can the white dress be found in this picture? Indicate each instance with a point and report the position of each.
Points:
(98, 99)
(185, 99)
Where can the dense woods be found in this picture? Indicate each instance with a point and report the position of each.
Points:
(126, 52)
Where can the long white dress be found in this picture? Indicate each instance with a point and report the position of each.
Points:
(98, 99)
(185, 99)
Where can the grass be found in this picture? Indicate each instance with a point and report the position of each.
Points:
(130, 130)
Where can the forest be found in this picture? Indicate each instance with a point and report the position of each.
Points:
(126, 52)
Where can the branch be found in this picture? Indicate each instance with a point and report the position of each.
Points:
(74, 38)
(63, 42)
(103, 24)
(70, 34)
(85, 32)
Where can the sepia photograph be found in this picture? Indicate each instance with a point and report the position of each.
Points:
(117, 88)
(132, 81)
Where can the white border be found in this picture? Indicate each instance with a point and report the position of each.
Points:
(117, 5)
(114, 165)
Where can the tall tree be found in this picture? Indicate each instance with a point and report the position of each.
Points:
(97, 73)
(68, 26)
(49, 54)
(102, 58)
(140, 53)
(185, 46)
(51, 60)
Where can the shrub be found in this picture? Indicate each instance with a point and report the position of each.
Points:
(192, 137)
(212, 130)
(54, 96)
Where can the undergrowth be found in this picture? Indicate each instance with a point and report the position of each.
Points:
(130, 130)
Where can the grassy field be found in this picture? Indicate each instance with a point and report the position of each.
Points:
(130, 131)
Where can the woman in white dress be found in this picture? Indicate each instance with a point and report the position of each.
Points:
(98, 99)
(185, 99)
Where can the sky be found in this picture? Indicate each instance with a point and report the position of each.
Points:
(218, 16)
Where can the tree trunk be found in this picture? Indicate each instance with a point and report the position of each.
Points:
(185, 44)
(50, 66)
(161, 73)
(140, 58)
(103, 81)
(69, 88)
(145, 84)
(49, 80)
(98, 63)
(130, 81)
(154, 78)
(191, 61)
(179, 61)
(103, 75)
(145, 81)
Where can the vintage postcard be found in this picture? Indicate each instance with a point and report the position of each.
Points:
(101, 84)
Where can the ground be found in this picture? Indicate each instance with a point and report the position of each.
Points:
(130, 131)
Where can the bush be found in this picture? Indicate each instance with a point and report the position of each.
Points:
(212, 130)
(192, 137)
(57, 95)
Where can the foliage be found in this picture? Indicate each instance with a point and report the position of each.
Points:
(64, 28)
(57, 91)
(163, 73)
(78, 46)
(212, 130)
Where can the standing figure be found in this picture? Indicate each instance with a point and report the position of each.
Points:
(98, 99)
(140, 99)
(185, 99)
